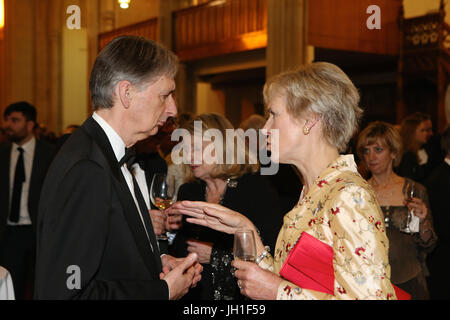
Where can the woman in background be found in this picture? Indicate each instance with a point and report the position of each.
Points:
(379, 146)
(416, 130)
(235, 186)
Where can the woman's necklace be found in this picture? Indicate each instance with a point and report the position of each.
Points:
(384, 191)
(229, 182)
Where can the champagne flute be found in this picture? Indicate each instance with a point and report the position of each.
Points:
(244, 246)
(163, 194)
(409, 192)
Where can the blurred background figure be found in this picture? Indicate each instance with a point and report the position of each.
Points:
(255, 121)
(438, 185)
(179, 171)
(65, 135)
(419, 156)
(3, 137)
(23, 165)
(287, 180)
(379, 146)
(237, 187)
(42, 133)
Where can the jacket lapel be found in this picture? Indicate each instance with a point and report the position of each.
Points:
(129, 207)
(36, 173)
(5, 161)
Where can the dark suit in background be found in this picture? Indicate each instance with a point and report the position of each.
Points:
(438, 186)
(17, 243)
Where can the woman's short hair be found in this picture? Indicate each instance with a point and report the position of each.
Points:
(224, 170)
(131, 58)
(325, 90)
(386, 134)
(408, 130)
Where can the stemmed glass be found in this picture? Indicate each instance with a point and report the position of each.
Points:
(410, 191)
(244, 246)
(163, 194)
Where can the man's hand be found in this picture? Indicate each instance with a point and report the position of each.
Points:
(180, 274)
(174, 222)
(202, 249)
(159, 221)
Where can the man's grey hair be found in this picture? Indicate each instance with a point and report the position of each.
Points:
(131, 58)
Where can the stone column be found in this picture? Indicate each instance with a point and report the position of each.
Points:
(287, 35)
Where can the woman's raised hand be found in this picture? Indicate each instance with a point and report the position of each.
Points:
(212, 215)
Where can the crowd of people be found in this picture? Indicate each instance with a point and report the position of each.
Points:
(81, 201)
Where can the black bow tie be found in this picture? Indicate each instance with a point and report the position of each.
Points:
(129, 158)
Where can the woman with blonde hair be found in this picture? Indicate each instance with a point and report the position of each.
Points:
(236, 185)
(380, 148)
(314, 109)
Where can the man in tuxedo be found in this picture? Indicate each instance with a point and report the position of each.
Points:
(438, 187)
(95, 236)
(23, 165)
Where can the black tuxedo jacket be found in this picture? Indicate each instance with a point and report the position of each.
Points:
(89, 228)
(438, 187)
(43, 155)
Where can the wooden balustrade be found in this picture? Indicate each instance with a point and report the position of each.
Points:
(147, 29)
(220, 27)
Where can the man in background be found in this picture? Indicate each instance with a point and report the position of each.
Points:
(23, 164)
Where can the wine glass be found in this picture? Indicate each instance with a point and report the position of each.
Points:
(244, 246)
(163, 194)
(410, 191)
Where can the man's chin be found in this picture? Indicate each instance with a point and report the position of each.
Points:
(14, 138)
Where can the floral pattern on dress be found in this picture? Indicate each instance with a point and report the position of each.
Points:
(341, 210)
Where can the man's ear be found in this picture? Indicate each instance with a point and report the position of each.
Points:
(30, 126)
(123, 92)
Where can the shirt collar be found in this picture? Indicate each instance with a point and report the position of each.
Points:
(447, 160)
(115, 140)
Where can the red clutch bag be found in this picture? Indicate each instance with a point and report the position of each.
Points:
(309, 265)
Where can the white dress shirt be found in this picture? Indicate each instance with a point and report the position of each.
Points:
(28, 155)
(422, 155)
(118, 147)
(447, 160)
(6, 285)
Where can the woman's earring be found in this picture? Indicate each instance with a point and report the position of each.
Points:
(305, 130)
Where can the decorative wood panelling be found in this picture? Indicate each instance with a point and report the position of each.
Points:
(424, 42)
(220, 27)
(147, 29)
